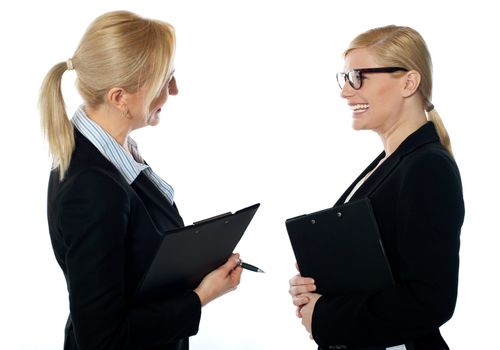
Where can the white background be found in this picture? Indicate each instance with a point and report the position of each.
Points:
(258, 119)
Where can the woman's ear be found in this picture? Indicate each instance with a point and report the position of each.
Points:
(411, 83)
(116, 97)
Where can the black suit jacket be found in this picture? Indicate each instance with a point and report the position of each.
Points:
(104, 233)
(416, 194)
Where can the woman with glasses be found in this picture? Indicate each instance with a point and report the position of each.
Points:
(107, 209)
(415, 191)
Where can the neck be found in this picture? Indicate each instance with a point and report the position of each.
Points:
(399, 131)
(112, 122)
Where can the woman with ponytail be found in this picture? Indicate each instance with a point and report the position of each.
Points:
(107, 209)
(415, 191)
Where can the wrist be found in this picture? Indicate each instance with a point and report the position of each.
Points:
(202, 296)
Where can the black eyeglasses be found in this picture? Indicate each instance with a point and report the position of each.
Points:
(355, 76)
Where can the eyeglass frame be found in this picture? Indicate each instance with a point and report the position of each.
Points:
(346, 75)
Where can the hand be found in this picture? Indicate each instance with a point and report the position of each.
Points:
(298, 286)
(220, 281)
(306, 311)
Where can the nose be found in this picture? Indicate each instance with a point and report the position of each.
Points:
(172, 87)
(347, 90)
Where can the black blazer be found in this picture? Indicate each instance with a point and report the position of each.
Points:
(416, 194)
(104, 233)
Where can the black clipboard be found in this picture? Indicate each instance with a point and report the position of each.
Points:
(187, 254)
(341, 249)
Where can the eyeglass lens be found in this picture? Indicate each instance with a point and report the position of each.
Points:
(354, 78)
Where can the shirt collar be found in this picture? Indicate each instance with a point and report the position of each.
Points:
(130, 166)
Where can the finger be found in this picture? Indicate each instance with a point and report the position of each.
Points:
(301, 289)
(307, 295)
(293, 281)
(294, 291)
(236, 275)
(298, 280)
(236, 256)
(300, 301)
(231, 263)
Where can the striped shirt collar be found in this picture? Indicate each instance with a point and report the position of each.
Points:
(130, 166)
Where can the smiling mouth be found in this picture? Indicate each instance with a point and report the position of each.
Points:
(360, 107)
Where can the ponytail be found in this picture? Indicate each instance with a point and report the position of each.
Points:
(444, 138)
(56, 127)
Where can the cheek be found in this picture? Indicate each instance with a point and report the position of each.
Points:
(380, 97)
(162, 98)
(158, 102)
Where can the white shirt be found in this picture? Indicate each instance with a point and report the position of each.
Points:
(130, 166)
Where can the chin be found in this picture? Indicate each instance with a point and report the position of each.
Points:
(153, 120)
(356, 125)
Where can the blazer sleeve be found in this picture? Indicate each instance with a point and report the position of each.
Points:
(94, 214)
(428, 218)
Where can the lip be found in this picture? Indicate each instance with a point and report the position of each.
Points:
(356, 103)
(155, 114)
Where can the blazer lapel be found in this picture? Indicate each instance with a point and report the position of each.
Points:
(373, 164)
(378, 176)
(424, 135)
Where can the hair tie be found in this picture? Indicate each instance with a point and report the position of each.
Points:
(69, 64)
(430, 107)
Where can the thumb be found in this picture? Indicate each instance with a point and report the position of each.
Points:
(231, 263)
(307, 296)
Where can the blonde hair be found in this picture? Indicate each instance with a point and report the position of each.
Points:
(119, 49)
(404, 47)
